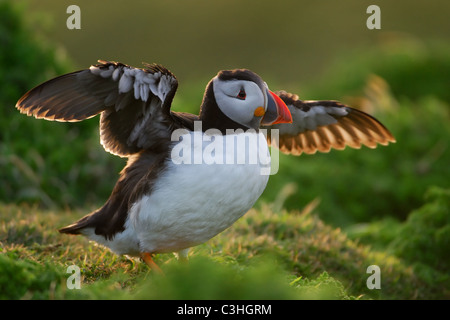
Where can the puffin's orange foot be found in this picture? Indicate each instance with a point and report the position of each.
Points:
(147, 257)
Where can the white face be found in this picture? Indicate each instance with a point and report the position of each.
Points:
(239, 99)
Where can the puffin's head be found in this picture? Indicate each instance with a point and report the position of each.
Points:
(245, 98)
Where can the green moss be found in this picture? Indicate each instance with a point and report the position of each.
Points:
(259, 257)
(27, 279)
(425, 236)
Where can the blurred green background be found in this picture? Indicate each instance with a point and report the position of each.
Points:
(287, 42)
(319, 50)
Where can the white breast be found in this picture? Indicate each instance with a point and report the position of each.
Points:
(192, 201)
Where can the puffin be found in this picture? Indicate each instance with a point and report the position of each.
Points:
(189, 177)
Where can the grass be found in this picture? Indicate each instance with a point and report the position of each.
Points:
(267, 254)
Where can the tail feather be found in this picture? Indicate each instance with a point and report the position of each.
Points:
(77, 227)
(106, 221)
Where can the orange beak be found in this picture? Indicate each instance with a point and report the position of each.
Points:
(277, 111)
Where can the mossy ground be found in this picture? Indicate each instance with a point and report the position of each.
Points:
(267, 254)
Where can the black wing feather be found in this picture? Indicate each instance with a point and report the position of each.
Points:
(134, 103)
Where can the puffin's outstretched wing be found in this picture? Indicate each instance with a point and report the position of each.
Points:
(322, 125)
(134, 103)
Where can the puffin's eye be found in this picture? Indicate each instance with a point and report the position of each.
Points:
(241, 95)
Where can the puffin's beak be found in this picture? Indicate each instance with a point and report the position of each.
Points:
(277, 111)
